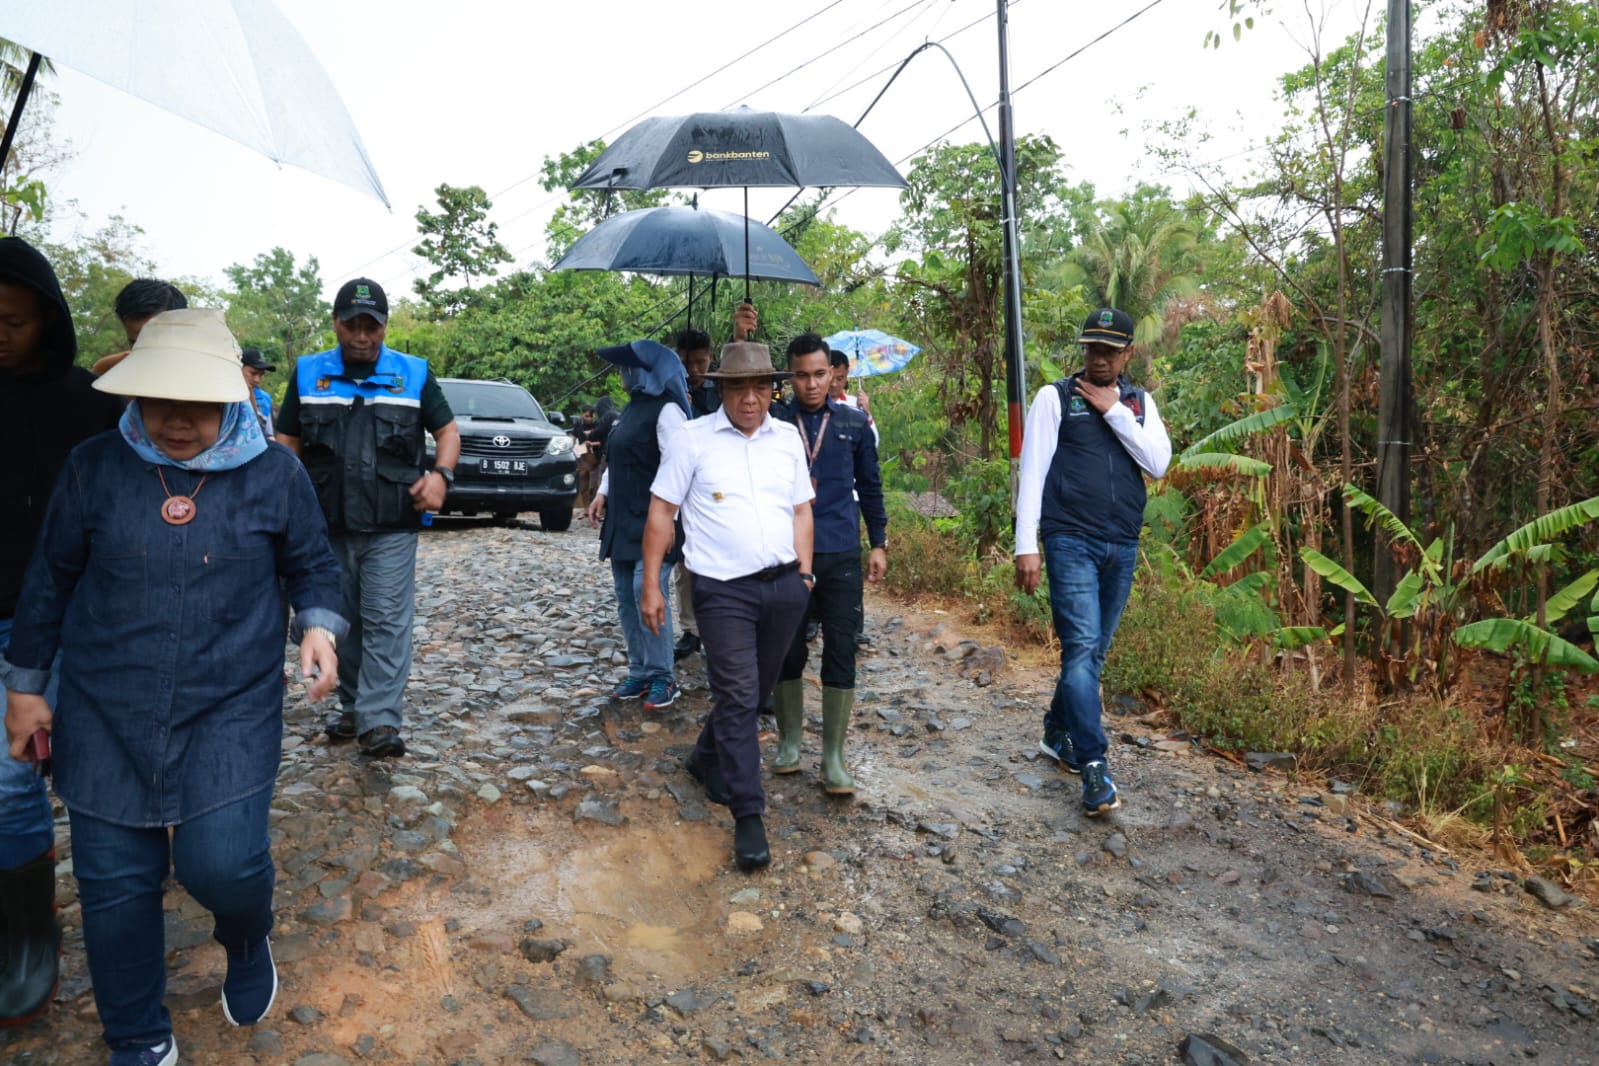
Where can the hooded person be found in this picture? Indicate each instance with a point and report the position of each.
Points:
(156, 583)
(47, 407)
(657, 406)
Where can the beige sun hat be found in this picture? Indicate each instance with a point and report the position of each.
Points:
(181, 355)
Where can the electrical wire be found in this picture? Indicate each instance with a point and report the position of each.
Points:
(977, 116)
(831, 50)
(628, 122)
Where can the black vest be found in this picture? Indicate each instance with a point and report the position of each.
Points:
(1093, 488)
(363, 459)
(633, 455)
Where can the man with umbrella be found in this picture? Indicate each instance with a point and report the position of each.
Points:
(740, 479)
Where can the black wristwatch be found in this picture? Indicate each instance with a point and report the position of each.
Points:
(448, 474)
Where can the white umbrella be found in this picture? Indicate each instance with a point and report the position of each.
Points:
(236, 67)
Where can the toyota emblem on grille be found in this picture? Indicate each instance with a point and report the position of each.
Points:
(502, 441)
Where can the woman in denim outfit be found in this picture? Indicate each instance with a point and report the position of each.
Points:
(156, 578)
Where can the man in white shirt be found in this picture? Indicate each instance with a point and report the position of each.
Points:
(1088, 444)
(743, 486)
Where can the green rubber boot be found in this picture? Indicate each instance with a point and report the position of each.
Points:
(788, 706)
(837, 705)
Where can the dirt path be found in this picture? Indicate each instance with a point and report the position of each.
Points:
(541, 882)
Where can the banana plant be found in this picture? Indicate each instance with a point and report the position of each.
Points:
(1432, 598)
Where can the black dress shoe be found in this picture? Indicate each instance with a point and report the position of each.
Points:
(687, 645)
(341, 726)
(382, 743)
(710, 779)
(749, 843)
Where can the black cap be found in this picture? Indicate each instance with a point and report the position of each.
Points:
(363, 296)
(1108, 326)
(252, 358)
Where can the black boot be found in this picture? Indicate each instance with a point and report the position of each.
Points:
(30, 940)
(749, 843)
(709, 777)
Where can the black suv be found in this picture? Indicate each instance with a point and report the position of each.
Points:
(513, 458)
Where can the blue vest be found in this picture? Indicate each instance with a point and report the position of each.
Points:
(362, 439)
(1093, 488)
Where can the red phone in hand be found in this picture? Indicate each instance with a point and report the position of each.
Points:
(39, 752)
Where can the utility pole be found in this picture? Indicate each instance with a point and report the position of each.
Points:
(1015, 354)
(1395, 431)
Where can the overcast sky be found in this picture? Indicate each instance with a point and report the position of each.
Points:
(479, 92)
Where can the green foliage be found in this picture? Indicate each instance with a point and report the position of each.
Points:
(1527, 539)
(982, 495)
(927, 561)
(1539, 646)
(585, 208)
(460, 242)
(276, 304)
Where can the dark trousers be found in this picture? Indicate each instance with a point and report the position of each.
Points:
(747, 626)
(221, 857)
(836, 603)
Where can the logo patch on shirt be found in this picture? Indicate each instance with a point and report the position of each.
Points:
(1077, 406)
(322, 384)
(718, 497)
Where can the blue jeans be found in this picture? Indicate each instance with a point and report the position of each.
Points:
(1088, 585)
(649, 655)
(27, 829)
(224, 861)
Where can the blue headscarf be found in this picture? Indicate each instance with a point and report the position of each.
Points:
(651, 368)
(238, 441)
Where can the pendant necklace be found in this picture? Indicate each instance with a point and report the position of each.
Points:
(811, 449)
(178, 510)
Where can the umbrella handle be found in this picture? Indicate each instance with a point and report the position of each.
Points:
(746, 245)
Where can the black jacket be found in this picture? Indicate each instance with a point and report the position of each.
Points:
(46, 409)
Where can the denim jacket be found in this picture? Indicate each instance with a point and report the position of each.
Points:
(171, 637)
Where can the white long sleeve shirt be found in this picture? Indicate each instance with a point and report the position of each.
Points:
(1147, 444)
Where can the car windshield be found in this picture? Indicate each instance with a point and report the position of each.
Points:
(487, 399)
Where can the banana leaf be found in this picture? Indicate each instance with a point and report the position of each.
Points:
(1290, 637)
(1537, 645)
(1368, 505)
(1539, 532)
(1567, 599)
(1335, 573)
(1246, 545)
(1402, 604)
(1244, 427)
(1230, 461)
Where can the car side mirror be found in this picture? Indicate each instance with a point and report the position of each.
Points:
(558, 418)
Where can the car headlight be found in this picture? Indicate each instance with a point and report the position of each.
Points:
(558, 445)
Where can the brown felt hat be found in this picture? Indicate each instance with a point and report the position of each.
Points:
(746, 359)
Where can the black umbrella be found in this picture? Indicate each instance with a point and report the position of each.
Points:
(686, 240)
(714, 149)
(717, 149)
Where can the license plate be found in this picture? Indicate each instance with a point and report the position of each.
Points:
(503, 466)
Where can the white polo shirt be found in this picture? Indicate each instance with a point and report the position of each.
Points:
(737, 494)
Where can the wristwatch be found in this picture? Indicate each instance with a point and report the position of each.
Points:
(448, 474)
(808, 577)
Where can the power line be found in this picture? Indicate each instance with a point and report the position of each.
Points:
(885, 69)
(660, 103)
(974, 117)
(830, 50)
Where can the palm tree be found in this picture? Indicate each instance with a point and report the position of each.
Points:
(1140, 255)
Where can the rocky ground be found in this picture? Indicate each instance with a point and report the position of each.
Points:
(540, 881)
